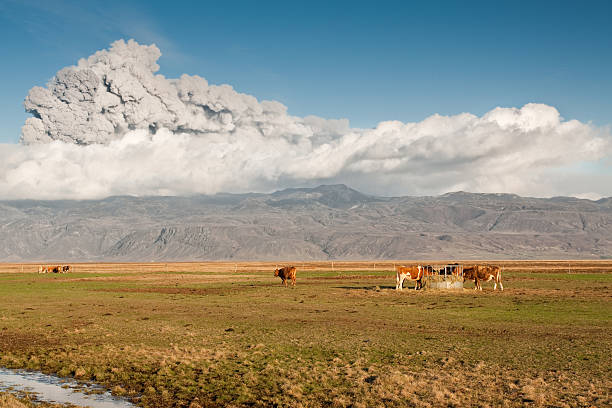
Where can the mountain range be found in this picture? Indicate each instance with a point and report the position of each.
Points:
(326, 222)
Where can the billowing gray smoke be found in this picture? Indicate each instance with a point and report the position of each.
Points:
(110, 125)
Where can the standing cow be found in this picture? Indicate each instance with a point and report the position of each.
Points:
(483, 273)
(487, 273)
(286, 273)
(414, 272)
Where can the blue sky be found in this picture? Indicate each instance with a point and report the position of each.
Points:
(365, 61)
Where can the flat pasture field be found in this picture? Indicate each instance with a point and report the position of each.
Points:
(210, 334)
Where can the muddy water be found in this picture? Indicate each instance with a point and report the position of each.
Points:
(53, 389)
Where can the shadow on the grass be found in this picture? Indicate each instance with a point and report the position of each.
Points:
(368, 287)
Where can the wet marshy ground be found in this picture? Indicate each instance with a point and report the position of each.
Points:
(57, 390)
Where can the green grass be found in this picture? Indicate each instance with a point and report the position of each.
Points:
(333, 340)
(541, 276)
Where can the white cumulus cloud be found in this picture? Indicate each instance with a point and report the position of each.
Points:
(110, 125)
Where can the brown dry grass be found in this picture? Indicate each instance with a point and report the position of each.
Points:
(9, 401)
(551, 266)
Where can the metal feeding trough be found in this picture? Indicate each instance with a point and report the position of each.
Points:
(448, 276)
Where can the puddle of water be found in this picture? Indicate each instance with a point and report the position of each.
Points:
(53, 389)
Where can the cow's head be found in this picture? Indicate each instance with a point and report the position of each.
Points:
(276, 272)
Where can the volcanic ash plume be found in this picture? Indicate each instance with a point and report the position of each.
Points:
(111, 125)
(115, 91)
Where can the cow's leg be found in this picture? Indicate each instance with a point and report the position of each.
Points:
(399, 281)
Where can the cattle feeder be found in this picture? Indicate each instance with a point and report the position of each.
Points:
(443, 276)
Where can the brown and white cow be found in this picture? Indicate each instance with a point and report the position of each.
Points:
(483, 273)
(414, 272)
(488, 273)
(286, 273)
(54, 268)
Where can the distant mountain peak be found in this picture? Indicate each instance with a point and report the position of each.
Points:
(319, 188)
(333, 187)
(331, 195)
(460, 194)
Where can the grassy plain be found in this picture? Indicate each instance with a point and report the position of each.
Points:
(228, 334)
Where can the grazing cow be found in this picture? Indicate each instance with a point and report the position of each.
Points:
(286, 273)
(50, 269)
(483, 273)
(54, 268)
(414, 272)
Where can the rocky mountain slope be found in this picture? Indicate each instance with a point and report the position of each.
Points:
(327, 222)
